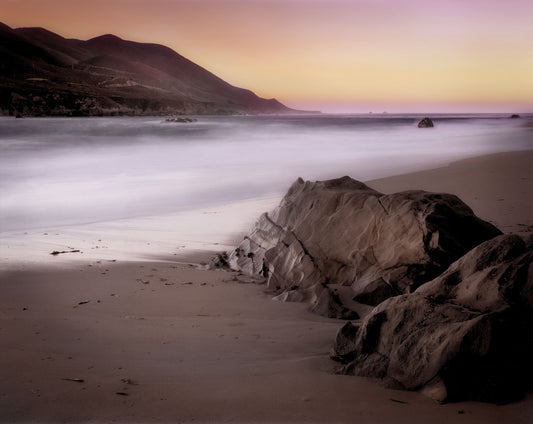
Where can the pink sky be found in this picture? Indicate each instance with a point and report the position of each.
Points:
(332, 55)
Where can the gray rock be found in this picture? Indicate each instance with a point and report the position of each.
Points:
(464, 335)
(341, 232)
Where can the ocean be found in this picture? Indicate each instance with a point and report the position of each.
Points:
(65, 171)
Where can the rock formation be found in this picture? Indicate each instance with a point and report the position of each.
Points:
(464, 335)
(330, 241)
(425, 123)
(454, 296)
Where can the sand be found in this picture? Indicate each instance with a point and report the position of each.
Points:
(192, 234)
(95, 338)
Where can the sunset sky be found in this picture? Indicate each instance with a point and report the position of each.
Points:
(330, 55)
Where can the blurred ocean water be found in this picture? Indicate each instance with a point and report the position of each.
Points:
(59, 171)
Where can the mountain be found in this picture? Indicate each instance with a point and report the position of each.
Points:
(42, 74)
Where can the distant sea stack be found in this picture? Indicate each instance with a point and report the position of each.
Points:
(425, 123)
(44, 74)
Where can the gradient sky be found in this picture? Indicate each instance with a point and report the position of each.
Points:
(331, 55)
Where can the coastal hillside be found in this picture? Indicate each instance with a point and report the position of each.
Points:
(43, 74)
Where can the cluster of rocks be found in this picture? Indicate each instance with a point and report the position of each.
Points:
(453, 296)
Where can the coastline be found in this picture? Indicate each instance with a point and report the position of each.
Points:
(156, 339)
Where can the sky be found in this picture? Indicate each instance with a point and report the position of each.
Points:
(328, 55)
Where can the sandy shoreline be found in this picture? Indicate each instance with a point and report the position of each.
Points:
(192, 236)
(166, 342)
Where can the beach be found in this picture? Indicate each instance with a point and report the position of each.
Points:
(266, 212)
(117, 335)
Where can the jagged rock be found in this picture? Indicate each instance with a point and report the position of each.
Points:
(343, 232)
(344, 347)
(464, 335)
(219, 261)
(425, 123)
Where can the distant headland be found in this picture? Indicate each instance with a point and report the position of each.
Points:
(44, 74)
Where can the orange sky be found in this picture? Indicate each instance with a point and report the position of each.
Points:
(332, 55)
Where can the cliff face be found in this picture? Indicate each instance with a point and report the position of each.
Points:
(42, 73)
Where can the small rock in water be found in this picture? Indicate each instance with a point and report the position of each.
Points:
(425, 123)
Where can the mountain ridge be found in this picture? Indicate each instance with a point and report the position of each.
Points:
(45, 74)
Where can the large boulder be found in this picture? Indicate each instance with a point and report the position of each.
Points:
(464, 335)
(341, 233)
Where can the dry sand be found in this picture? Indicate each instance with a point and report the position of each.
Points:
(167, 342)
